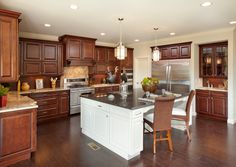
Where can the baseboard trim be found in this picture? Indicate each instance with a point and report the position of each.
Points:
(231, 121)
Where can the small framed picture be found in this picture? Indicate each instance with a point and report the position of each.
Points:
(39, 83)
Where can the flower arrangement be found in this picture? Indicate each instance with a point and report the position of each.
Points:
(150, 84)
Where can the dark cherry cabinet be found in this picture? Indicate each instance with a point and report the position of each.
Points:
(106, 89)
(40, 57)
(9, 63)
(128, 61)
(100, 54)
(51, 104)
(111, 55)
(18, 135)
(213, 60)
(175, 51)
(211, 104)
(78, 50)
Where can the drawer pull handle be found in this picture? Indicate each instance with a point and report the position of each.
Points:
(138, 113)
(45, 112)
(99, 106)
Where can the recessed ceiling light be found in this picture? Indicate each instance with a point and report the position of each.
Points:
(136, 40)
(205, 4)
(232, 22)
(47, 25)
(73, 6)
(102, 33)
(172, 33)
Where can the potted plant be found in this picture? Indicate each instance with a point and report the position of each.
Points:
(150, 84)
(3, 95)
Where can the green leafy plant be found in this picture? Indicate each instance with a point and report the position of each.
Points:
(148, 81)
(3, 90)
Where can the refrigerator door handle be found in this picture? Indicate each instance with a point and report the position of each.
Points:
(169, 77)
(167, 69)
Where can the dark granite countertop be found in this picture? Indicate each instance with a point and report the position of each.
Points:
(131, 102)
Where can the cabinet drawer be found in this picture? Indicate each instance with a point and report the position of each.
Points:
(115, 88)
(47, 101)
(45, 107)
(47, 112)
(218, 94)
(38, 96)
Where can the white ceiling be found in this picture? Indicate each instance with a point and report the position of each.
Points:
(95, 16)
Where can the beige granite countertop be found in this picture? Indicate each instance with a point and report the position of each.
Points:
(42, 90)
(17, 102)
(103, 85)
(213, 89)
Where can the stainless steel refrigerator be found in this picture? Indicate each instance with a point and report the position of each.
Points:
(174, 75)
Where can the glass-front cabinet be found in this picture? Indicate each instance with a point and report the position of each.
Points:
(214, 60)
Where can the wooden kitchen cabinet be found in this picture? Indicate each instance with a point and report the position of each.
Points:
(212, 104)
(100, 54)
(39, 57)
(128, 61)
(78, 50)
(106, 89)
(17, 136)
(213, 60)
(9, 64)
(175, 51)
(51, 104)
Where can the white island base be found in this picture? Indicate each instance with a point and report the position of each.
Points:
(119, 129)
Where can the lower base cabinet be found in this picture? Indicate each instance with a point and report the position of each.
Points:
(17, 136)
(106, 89)
(51, 104)
(212, 104)
(119, 129)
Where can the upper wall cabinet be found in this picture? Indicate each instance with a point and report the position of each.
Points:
(9, 46)
(214, 60)
(128, 62)
(78, 50)
(40, 57)
(175, 51)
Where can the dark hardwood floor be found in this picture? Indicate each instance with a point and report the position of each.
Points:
(61, 144)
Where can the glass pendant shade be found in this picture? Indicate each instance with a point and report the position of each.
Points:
(156, 54)
(120, 51)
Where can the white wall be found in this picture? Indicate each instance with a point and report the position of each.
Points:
(228, 34)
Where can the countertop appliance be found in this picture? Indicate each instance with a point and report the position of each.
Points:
(172, 74)
(78, 87)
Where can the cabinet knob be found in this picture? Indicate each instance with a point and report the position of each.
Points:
(107, 116)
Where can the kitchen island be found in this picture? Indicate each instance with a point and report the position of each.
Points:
(18, 132)
(116, 123)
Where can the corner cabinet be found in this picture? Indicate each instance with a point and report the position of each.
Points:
(214, 60)
(78, 50)
(118, 129)
(9, 64)
(175, 51)
(39, 57)
(212, 104)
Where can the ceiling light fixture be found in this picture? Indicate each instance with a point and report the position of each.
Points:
(47, 25)
(206, 4)
(156, 52)
(136, 40)
(172, 33)
(73, 6)
(120, 50)
(232, 22)
(102, 33)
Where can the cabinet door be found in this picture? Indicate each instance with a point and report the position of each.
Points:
(185, 51)
(137, 134)
(111, 55)
(219, 104)
(221, 61)
(64, 102)
(32, 68)
(174, 52)
(16, 133)
(101, 68)
(49, 68)
(88, 50)
(73, 49)
(101, 125)
(32, 51)
(119, 138)
(101, 54)
(49, 52)
(129, 59)
(8, 49)
(165, 53)
(87, 117)
(203, 102)
(206, 61)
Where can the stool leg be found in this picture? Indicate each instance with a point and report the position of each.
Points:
(169, 140)
(154, 142)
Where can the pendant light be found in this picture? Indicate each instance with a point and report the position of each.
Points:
(156, 55)
(120, 50)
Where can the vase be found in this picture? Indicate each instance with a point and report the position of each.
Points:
(25, 86)
(3, 101)
(149, 88)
